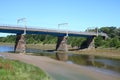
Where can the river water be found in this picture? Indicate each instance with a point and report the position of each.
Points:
(102, 64)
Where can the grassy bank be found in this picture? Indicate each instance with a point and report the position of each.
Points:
(16, 70)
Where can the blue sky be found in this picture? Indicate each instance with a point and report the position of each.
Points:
(79, 14)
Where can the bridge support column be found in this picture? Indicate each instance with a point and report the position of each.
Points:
(89, 43)
(62, 44)
(20, 45)
(61, 48)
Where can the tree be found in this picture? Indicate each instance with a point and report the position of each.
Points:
(98, 41)
(114, 42)
(109, 30)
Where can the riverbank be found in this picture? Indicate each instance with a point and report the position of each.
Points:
(61, 70)
(102, 52)
(109, 53)
(16, 70)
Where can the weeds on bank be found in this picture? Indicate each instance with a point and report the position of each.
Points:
(16, 70)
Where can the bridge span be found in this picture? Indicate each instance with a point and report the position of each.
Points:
(61, 34)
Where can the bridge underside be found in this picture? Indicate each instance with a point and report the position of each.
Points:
(20, 44)
(89, 43)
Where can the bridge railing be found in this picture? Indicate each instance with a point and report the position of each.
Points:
(28, 27)
(19, 27)
(11, 26)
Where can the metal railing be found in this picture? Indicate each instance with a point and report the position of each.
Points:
(18, 27)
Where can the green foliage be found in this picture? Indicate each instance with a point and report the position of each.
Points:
(111, 31)
(16, 70)
(98, 41)
(114, 42)
(114, 38)
(10, 38)
(45, 39)
(31, 39)
(76, 41)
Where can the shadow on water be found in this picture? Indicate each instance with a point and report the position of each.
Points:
(91, 61)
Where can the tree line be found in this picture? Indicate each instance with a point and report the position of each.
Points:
(114, 38)
(112, 42)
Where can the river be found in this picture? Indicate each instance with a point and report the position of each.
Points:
(102, 64)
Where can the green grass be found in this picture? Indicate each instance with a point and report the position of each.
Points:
(16, 70)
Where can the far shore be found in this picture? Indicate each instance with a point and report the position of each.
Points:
(103, 52)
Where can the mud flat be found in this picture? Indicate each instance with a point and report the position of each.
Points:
(62, 71)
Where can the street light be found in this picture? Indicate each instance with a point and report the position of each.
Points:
(25, 27)
(62, 25)
(97, 30)
(24, 20)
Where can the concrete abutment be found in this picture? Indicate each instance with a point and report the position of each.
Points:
(20, 44)
(62, 43)
(62, 48)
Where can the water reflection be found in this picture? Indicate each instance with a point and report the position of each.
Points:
(105, 63)
(62, 56)
(94, 62)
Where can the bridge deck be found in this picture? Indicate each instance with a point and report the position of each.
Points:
(20, 30)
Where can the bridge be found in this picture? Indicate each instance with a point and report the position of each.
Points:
(61, 34)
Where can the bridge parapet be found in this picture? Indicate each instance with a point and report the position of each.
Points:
(15, 29)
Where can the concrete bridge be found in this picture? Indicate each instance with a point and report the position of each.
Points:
(62, 36)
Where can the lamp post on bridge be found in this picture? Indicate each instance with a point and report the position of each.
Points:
(21, 43)
(97, 31)
(23, 20)
(61, 46)
(93, 28)
(62, 25)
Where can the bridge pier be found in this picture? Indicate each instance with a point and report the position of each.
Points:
(20, 44)
(62, 44)
(89, 43)
(62, 48)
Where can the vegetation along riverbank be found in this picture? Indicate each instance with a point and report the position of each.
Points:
(16, 70)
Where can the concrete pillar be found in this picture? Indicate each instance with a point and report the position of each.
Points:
(20, 45)
(62, 44)
(89, 43)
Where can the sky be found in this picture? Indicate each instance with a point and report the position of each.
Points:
(79, 14)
